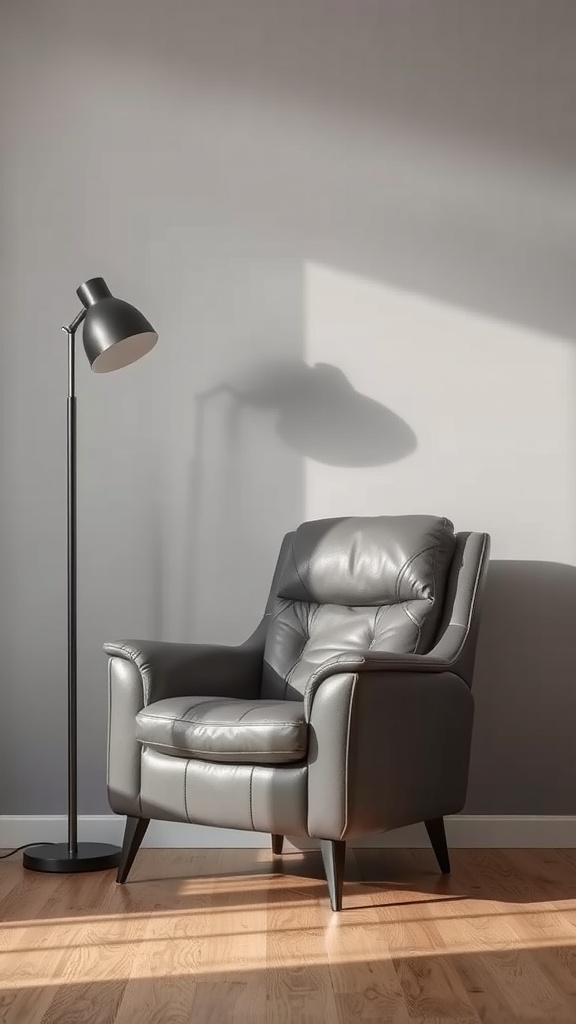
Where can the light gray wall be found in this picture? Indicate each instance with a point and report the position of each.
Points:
(385, 188)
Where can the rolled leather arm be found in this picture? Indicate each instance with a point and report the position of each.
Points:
(373, 661)
(142, 671)
(387, 749)
(181, 670)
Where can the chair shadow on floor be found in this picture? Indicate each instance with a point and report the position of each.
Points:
(237, 935)
(374, 878)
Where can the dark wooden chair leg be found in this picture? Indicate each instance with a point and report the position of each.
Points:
(437, 835)
(334, 856)
(133, 835)
(277, 844)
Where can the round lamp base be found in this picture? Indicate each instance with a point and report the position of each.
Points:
(88, 857)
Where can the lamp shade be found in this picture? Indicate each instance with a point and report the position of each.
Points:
(115, 333)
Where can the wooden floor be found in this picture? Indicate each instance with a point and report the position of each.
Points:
(229, 936)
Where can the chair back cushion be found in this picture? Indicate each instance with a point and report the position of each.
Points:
(355, 585)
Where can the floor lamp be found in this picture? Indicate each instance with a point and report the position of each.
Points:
(115, 334)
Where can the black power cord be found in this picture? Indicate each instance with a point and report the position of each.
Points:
(25, 847)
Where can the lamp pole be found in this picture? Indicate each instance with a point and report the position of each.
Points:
(72, 590)
(115, 335)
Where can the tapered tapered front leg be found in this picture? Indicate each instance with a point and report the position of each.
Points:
(334, 856)
(277, 844)
(437, 835)
(133, 835)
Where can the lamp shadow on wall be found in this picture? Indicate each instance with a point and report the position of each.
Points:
(315, 413)
(319, 414)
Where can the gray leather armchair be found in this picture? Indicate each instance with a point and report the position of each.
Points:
(348, 711)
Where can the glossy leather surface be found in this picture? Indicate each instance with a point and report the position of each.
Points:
(260, 798)
(349, 586)
(409, 732)
(383, 687)
(222, 729)
(368, 560)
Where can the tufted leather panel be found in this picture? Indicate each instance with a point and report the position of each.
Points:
(351, 586)
(255, 797)
(221, 729)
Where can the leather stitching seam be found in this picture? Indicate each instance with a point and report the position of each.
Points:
(379, 613)
(222, 725)
(404, 568)
(185, 798)
(234, 754)
(346, 772)
(413, 620)
(251, 815)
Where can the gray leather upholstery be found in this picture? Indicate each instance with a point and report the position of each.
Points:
(368, 560)
(224, 729)
(259, 798)
(387, 749)
(355, 585)
(348, 711)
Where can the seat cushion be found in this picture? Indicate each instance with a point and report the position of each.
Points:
(224, 729)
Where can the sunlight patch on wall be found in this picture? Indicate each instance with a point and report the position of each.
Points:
(490, 403)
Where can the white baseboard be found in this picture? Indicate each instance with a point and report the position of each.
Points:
(474, 831)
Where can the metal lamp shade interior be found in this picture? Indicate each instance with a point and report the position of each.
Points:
(115, 333)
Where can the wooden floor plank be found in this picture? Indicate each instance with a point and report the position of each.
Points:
(238, 936)
(298, 985)
(432, 988)
(510, 968)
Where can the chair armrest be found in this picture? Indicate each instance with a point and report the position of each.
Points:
(387, 749)
(181, 670)
(141, 672)
(373, 661)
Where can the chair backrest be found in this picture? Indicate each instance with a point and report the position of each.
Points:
(352, 585)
